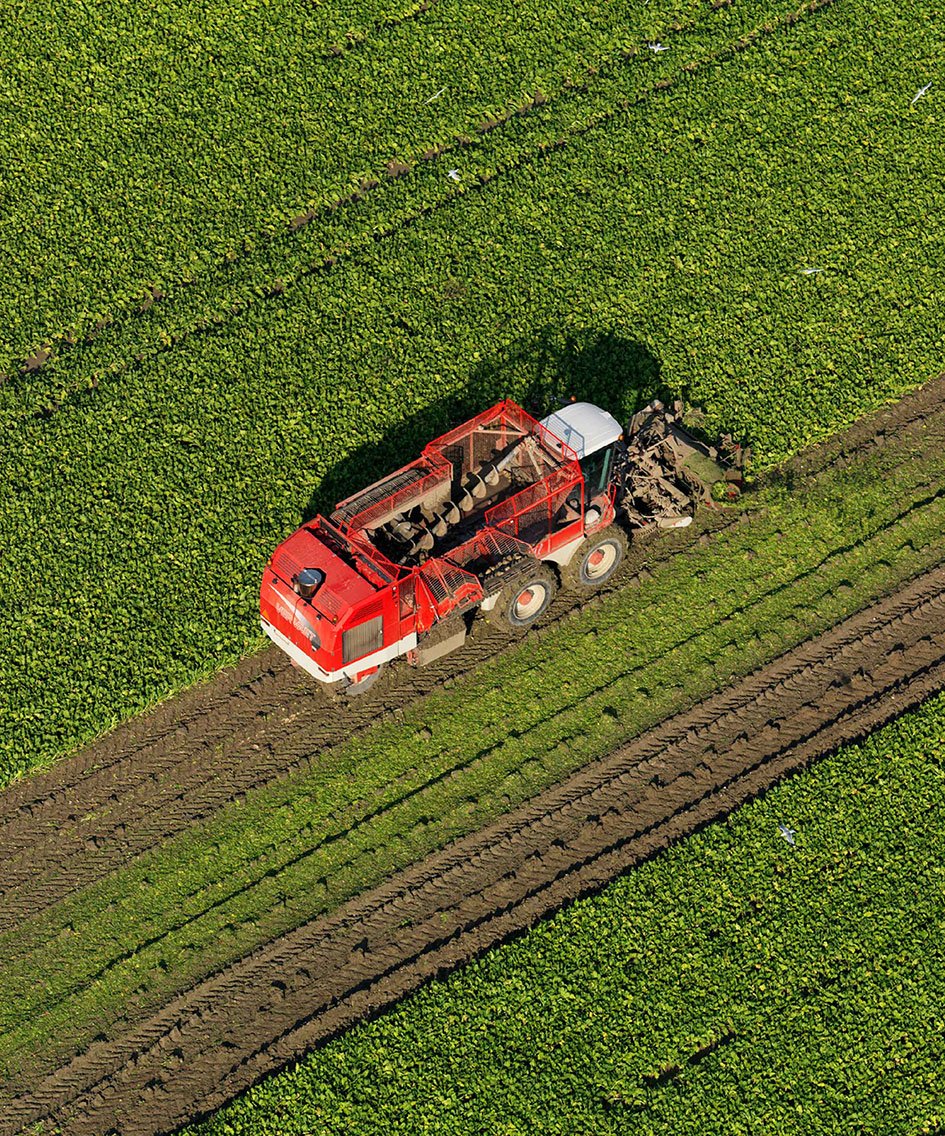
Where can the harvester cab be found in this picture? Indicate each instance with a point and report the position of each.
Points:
(592, 434)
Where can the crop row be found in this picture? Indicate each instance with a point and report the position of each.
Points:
(667, 247)
(348, 221)
(140, 151)
(737, 983)
(352, 814)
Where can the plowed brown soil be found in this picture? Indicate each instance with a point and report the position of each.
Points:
(156, 775)
(64, 828)
(271, 1006)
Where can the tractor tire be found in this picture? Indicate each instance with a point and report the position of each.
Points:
(363, 685)
(525, 600)
(595, 563)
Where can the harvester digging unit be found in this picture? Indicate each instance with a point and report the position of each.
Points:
(491, 516)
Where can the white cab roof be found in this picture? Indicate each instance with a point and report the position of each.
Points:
(584, 427)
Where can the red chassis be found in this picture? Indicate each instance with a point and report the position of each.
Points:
(483, 505)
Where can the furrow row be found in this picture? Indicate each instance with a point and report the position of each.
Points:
(241, 1023)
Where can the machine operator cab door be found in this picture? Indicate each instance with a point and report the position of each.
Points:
(591, 433)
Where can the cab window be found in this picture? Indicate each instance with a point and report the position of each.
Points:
(596, 470)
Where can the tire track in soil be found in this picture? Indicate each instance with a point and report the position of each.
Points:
(354, 821)
(155, 776)
(240, 1024)
(170, 773)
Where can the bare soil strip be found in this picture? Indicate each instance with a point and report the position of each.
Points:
(66, 827)
(271, 1006)
(159, 774)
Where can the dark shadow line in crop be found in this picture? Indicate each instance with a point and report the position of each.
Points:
(356, 41)
(417, 790)
(380, 181)
(345, 253)
(53, 347)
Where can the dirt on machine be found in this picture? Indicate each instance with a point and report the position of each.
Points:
(492, 517)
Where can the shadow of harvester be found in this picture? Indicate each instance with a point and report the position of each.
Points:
(618, 374)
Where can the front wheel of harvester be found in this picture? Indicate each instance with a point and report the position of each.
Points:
(526, 600)
(595, 563)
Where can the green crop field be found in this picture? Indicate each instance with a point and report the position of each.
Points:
(360, 810)
(208, 130)
(272, 251)
(145, 480)
(735, 985)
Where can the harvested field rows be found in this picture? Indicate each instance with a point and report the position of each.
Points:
(779, 970)
(242, 1023)
(347, 815)
(157, 775)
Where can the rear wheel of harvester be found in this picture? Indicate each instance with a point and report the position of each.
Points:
(525, 600)
(363, 683)
(597, 561)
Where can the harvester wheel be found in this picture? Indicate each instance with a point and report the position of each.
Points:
(597, 561)
(363, 684)
(525, 600)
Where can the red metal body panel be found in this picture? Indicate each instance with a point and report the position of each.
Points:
(538, 508)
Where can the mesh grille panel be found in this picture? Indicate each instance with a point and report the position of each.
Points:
(395, 493)
(363, 639)
(286, 567)
(486, 548)
(444, 579)
(536, 511)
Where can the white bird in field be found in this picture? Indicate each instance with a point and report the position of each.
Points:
(454, 174)
(811, 271)
(787, 833)
(436, 96)
(919, 93)
(657, 47)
